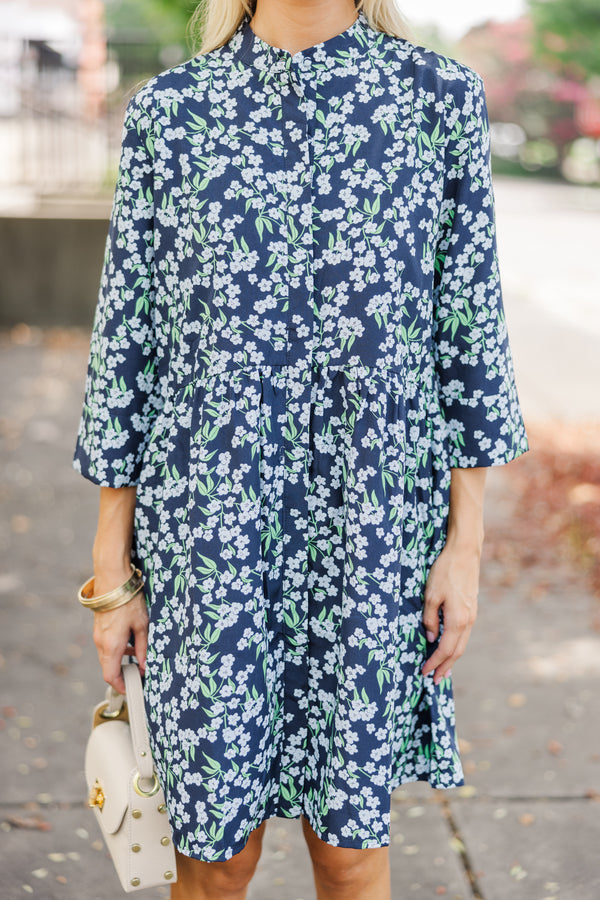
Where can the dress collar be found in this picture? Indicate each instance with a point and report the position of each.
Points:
(340, 50)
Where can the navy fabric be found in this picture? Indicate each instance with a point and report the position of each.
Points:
(299, 333)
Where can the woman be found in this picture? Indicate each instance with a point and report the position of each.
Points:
(299, 373)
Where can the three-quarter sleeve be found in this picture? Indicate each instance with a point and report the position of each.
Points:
(474, 366)
(119, 401)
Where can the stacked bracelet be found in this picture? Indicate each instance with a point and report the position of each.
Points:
(112, 599)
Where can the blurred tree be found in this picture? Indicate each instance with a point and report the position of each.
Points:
(551, 103)
(568, 31)
(145, 37)
(162, 21)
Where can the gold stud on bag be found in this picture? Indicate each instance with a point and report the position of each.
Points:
(124, 791)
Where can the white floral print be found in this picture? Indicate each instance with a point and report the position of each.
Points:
(299, 332)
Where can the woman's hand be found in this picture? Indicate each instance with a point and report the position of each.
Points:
(452, 585)
(112, 633)
(453, 581)
(112, 567)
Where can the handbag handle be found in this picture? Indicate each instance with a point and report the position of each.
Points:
(137, 714)
(137, 717)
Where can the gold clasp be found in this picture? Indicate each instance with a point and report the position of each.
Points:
(96, 797)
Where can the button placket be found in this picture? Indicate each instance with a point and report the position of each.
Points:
(296, 488)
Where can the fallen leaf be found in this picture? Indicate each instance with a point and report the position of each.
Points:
(410, 849)
(457, 845)
(526, 819)
(34, 822)
(20, 523)
(518, 872)
(516, 700)
(415, 811)
(467, 790)
(61, 668)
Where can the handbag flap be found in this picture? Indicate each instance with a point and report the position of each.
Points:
(109, 767)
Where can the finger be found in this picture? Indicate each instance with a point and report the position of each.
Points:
(431, 618)
(110, 661)
(113, 675)
(443, 669)
(443, 651)
(141, 645)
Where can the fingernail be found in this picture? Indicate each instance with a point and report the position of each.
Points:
(430, 636)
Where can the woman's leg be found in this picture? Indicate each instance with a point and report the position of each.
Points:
(342, 873)
(228, 880)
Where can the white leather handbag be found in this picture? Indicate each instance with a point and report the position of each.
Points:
(124, 791)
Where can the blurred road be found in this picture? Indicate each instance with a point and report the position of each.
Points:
(549, 249)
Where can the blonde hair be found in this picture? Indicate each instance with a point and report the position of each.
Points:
(214, 21)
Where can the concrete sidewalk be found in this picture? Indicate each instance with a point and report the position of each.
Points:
(525, 827)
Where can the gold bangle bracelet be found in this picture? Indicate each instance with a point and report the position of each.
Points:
(86, 591)
(114, 598)
(114, 604)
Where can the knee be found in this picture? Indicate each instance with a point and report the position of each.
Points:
(338, 868)
(234, 874)
(338, 872)
(222, 877)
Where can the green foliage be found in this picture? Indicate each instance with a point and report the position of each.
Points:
(568, 32)
(162, 21)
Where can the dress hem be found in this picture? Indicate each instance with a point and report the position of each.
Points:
(240, 845)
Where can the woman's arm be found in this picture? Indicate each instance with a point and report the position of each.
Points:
(112, 567)
(453, 581)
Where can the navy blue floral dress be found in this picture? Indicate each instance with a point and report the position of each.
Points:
(299, 333)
